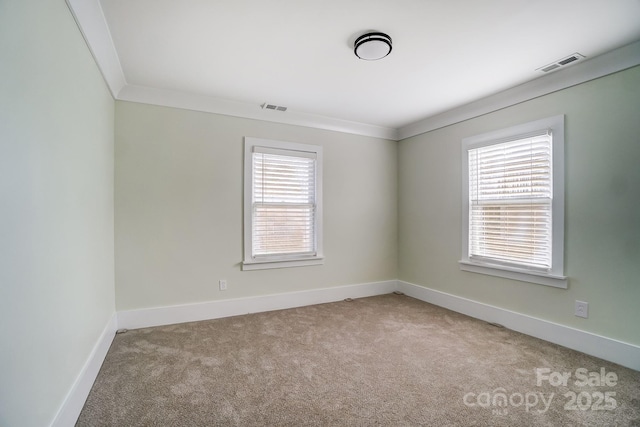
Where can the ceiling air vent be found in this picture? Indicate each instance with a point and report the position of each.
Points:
(562, 62)
(266, 106)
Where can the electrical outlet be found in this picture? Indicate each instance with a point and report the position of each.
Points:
(223, 284)
(582, 309)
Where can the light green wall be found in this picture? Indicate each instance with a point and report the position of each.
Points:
(56, 208)
(602, 243)
(178, 208)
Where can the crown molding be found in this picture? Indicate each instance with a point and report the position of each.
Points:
(209, 104)
(599, 66)
(93, 25)
(90, 19)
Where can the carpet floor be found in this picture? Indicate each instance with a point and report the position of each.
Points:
(388, 360)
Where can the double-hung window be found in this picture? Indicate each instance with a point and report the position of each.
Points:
(282, 204)
(513, 203)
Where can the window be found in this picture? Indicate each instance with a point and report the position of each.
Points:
(282, 204)
(513, 203)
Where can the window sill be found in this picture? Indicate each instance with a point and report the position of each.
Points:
(516, 274)
(264, 265)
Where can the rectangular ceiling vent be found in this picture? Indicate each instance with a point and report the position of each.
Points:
(562, 62)
(267, 106)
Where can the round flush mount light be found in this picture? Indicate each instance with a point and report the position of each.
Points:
(372, 46)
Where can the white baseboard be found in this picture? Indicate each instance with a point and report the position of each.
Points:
(609, 349)
(74, 401)
(619, 352)
(157, 316)
(72, 406)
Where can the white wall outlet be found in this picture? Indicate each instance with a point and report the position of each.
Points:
(582, 309)
(223, 284)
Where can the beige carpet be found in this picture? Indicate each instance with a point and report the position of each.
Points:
(388, 360)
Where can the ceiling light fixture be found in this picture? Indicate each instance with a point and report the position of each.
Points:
(372, 46)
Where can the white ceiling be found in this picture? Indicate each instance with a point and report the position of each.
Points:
(299, 54)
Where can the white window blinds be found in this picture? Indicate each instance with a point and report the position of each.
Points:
(283, 203)
(510, 202)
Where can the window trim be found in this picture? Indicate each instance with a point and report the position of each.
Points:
(555, 277)
(278, 261)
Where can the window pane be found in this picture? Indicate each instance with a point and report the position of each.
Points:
(511, 170)
(510, 198)
(283, 229)
(512, 233)
(283, 205)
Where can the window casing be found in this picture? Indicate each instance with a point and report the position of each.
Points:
(513, 203)
(282, 204)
